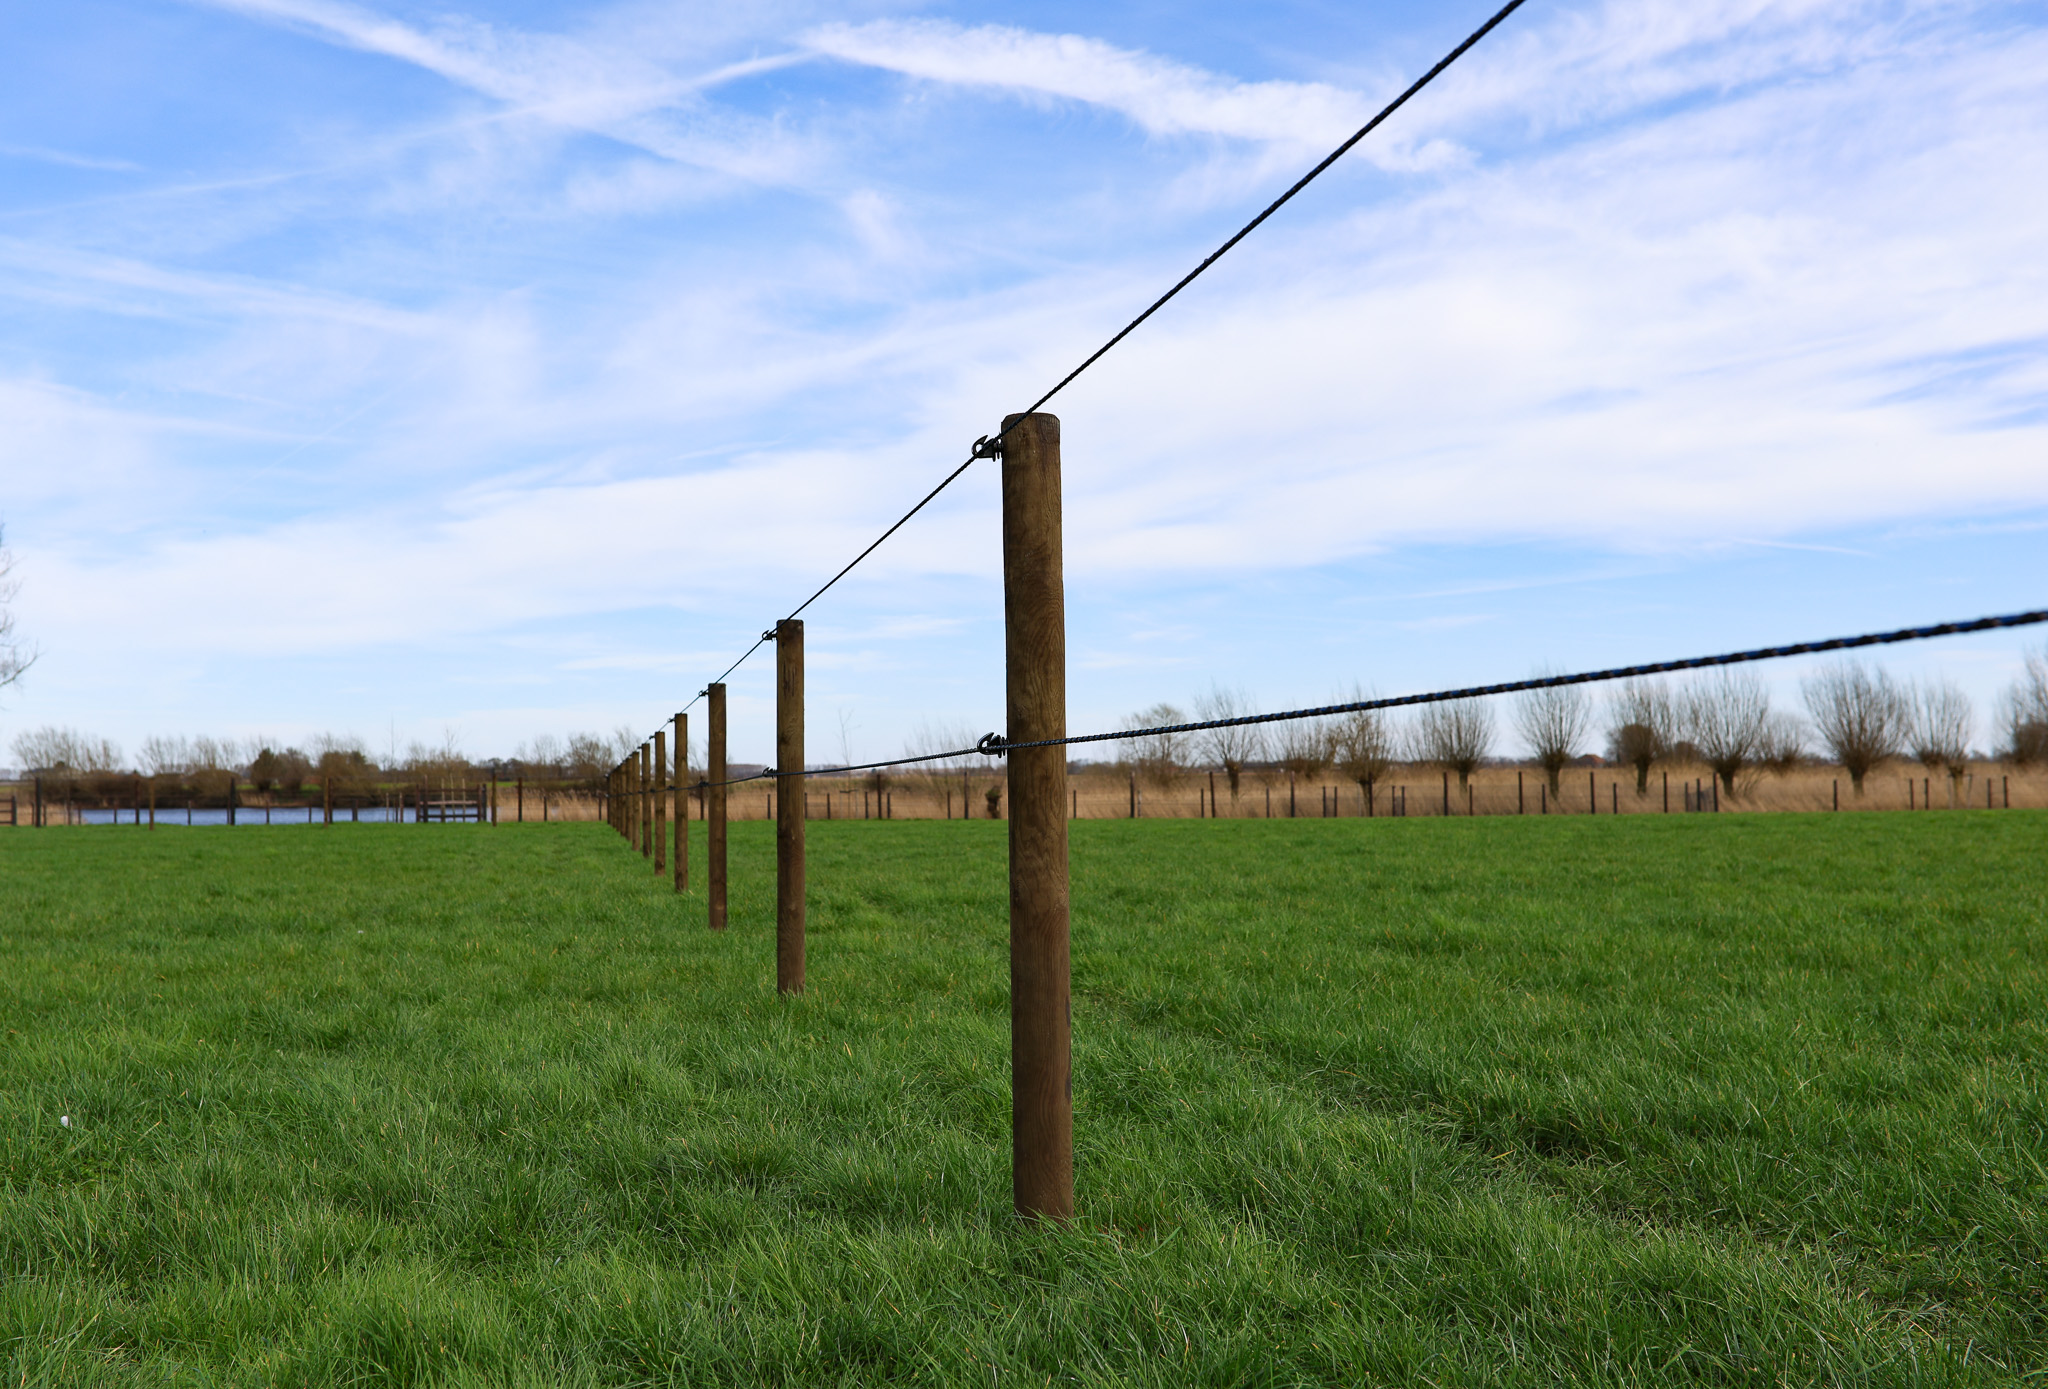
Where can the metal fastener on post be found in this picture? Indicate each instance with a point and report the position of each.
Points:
(1035, 651)
(714, 807)
(789, 802)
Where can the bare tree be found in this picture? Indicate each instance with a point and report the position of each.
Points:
(1727, 717)
(1364, 745)
(957, 769)
(52, 749)
(1642, 724)
(589, 758)
(15, 659)
(1235, 747)
(1859, 714)
(544, 755)
(162, 756)
(1159, 757)
(1553, 721)
(1939, 723)
(1783, 745)
(2023, 710)
(1455, 734)
(1304, 746)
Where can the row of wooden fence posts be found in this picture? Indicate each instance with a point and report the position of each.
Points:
(1034, 621)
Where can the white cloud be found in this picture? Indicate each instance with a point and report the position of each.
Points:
(548, 77)
(1164, 97)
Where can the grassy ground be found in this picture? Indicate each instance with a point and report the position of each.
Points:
(1737, 1100)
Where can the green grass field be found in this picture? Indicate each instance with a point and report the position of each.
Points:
(1737, 1100)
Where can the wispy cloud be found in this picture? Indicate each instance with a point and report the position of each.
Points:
(1164, 97)
(560, 80)
(69, 160)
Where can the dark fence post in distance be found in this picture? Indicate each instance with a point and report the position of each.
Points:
(1614, 795)
(1134, 795)
(645, 800)
(682, 845)
(714, 807)
(36, 816)
(1667, 793)
(519, 799)
(1035, 642)
(1837, 785)
(12, 816)
(789, 816)
(661, 801)
(1592, 795)
(1521, 806)
(1447, 793)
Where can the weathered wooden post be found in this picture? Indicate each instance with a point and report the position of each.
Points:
(661, 801)
(1035, 653)
(152, 805)
(714, 807)
(646, 767)
(519, 799)
(682, 845)
(789, 806)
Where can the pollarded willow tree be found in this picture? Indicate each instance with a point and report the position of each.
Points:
(1939, 722)
(1727, 716)
(1860, 716)
(2023, 711)
(1642, 724)
(1456, 735)
(1553, 721)
(1232, 748)
(1363, 745)
(1303, 746)
(1159, 758)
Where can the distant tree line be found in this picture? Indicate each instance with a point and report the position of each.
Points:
(1855, 716)
(208, 771)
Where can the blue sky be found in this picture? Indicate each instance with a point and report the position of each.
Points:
(504, 368)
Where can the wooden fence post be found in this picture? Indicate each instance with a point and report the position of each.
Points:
(714, 807)
(646, 800)
(519, 799)
(661, 801)
(1592, 795)
(789, 806)
(682, 845)
(326, 802)
(1035, 653)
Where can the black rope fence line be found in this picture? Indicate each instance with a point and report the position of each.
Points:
(991, 446)
(995, 745)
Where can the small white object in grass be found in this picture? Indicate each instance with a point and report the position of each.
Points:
(65, 1120)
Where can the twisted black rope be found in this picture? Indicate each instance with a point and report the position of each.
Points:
(994, 745)
(991, 447)
(768, 773)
